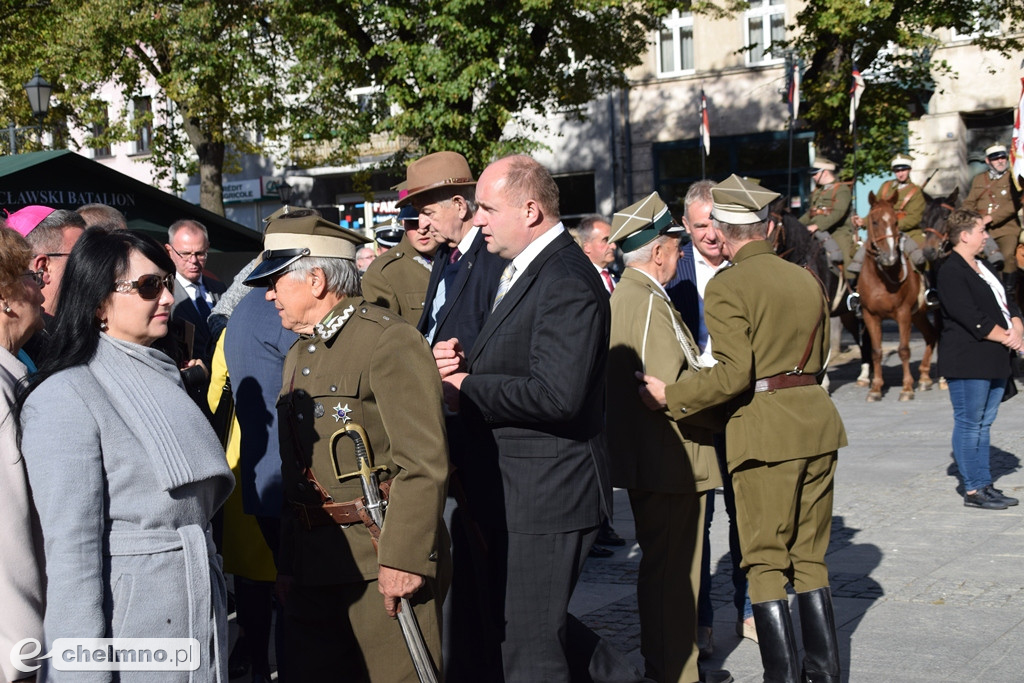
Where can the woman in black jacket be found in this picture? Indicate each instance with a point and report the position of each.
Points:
(982, 326)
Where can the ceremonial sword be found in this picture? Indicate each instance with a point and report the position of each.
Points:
(375, 506)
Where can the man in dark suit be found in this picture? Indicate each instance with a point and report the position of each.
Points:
(461, 287)
(532, 391)
(464, 275)
(188, 245)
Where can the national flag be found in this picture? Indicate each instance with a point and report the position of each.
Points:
(793, 98)
(705, 128)
(855, 92)
(1017, 148)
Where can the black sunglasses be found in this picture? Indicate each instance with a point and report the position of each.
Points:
(148, 286)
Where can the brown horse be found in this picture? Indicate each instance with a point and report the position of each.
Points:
(889, 287)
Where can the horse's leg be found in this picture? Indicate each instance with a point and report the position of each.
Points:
(903, 319)
(924, 324)
(874, 328)
(856, 329)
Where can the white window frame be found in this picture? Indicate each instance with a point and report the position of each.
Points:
(674, 22)
(769, 9)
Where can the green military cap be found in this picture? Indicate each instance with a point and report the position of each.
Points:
(995, 151)
(822, 164)
(901, 161)
(639, 223)
(289, 239)
(738, 201)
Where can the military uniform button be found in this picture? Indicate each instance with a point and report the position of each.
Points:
(311, 348)
(386, 318)
(362, 310)
(305, 372)
(333, 388)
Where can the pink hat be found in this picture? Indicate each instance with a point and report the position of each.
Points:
(25, 220)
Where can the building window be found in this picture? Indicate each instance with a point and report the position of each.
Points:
(675, 44)
(987, 25)
(99, 129)
(765, 26)
(143, 120)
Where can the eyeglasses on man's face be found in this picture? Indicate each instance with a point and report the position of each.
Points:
(36, 277)
(148, 286)
(189, 255)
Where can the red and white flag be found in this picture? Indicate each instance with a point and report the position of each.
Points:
(1017, 148)
(705, 128)
(855, 92)
(793, 97)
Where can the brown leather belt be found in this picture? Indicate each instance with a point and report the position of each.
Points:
(784, 381)
(327, 514)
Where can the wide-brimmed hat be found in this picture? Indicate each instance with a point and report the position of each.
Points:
(440, 169)
(289, 239)
(639, 223)
(739, 201)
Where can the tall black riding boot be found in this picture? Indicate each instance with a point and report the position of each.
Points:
(818, 627)
(1010, 285)
(776, 640)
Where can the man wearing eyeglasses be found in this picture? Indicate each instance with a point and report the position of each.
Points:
(51, 234)
(994, 197)
(194, 294)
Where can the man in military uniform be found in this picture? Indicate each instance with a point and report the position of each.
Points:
(355, 364)
(829, 215)
(997, 200)
(667, 466)
(906, 197)
(398, 278)
(783, 432)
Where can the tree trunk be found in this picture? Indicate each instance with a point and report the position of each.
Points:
(211, 165)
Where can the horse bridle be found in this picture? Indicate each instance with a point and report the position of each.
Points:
(873, 249)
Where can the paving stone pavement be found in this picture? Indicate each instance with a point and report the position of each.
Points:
(924, 588)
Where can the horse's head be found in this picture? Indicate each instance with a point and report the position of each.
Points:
(883, 235)
(933, 222)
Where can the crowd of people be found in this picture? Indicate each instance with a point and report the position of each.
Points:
(307, 424)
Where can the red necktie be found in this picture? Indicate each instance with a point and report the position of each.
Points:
(608, 284)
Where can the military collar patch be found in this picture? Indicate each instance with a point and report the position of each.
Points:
(329, 327)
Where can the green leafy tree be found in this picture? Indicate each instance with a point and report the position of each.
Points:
(892, 42)
(212, 67)
(471, 76)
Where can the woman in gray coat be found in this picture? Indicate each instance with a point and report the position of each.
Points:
(21, 549)
(125, 471)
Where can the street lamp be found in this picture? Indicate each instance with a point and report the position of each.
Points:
(284, 191)
(38, 90)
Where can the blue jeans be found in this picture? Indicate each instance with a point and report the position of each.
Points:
(740, 598)
(975, 404)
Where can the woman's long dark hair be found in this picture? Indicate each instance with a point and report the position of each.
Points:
(98, 259)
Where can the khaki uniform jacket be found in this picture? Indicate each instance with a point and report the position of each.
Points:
(378, 372)
(909, 204)
(997, 198)
(650, 451)
(397, 280)
(830, 208)
(760, 312)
